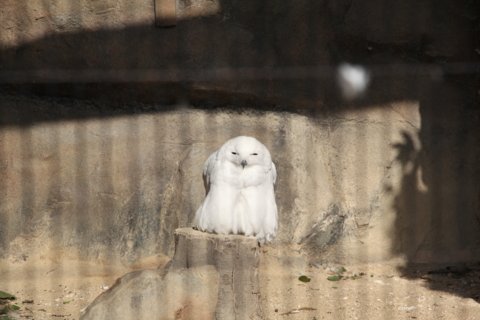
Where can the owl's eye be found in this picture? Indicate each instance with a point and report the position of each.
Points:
(234, 152)
(254, 154)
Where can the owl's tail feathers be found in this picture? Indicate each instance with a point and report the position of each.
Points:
(266, 237)
(269, 237)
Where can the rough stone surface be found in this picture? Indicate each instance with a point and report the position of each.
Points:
(106, 122)
(363, 184)
(159, 295)
(237, 260)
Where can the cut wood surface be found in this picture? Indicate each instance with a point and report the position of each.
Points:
(237, 260)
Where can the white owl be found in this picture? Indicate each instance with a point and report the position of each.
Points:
(240, 178)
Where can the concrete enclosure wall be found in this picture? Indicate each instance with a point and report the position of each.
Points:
(106, 122)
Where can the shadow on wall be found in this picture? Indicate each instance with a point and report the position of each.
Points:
(437, 208)
(266, 60)
(284, 55)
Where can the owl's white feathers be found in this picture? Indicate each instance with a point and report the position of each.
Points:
(240, 178)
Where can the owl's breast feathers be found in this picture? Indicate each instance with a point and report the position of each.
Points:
(230, 174)
(255, 175)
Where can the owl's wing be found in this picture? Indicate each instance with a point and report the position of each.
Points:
(209, 166)
(274, 173)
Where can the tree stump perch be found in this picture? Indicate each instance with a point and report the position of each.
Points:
(237, 260)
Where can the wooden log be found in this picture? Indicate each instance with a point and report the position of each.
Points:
(237, 260)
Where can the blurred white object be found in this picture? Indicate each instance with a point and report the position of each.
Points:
(353, 80)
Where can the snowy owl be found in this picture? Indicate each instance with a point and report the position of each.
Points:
(240, 199)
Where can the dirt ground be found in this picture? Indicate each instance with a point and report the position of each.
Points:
(62, 290)
(373, 291)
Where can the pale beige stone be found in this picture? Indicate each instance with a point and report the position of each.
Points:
(159, 294)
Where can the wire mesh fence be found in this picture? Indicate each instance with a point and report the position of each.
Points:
(370, 112)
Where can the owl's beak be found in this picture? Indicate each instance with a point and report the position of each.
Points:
(244, 163)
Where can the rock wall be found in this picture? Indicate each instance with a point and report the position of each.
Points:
(356, 185)
(106, 122)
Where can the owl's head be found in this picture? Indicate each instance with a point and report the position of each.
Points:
(246, 151)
